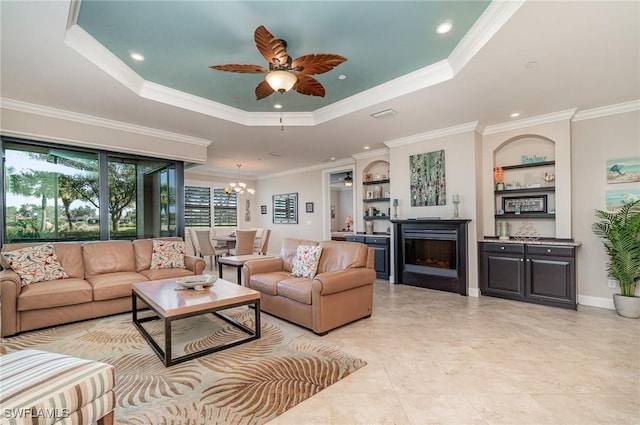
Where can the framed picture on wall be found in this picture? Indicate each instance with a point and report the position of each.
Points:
(525, 204)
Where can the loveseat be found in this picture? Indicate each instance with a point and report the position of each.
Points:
(340, 290)
(98, 283)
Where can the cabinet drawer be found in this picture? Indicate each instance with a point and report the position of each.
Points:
(506, 248)
(557, 251)
(355, 239)
(371, 240)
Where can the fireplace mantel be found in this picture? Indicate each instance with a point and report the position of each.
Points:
(418, 235)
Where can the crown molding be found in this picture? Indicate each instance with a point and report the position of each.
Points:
(619, 108)
(435, 134)
(487, 25)
(496, 14)
(45, 111)
(92, 145)
(88, 47)
(529, 122)
(323, 166)
(370, 154)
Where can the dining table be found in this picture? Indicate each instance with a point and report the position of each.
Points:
(230, 240)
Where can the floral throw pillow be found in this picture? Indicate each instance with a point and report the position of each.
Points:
(35, 264)
(305, 263)
(167, 254)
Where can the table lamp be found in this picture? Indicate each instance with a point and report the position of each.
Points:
(348, 221)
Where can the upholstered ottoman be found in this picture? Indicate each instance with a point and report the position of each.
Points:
(47, 388)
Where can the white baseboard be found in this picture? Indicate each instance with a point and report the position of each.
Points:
(596, 301)
(474, 292)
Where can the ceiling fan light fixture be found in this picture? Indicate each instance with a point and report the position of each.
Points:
(281, 81)
(348, 181)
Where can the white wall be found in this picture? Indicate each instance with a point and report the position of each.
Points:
(594, 141)
(310, 226)
(86, 131)
(460, 172)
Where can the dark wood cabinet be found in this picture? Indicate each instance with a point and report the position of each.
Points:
(380, 245)
(543, 274)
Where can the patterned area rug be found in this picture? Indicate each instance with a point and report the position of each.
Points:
(248, 384)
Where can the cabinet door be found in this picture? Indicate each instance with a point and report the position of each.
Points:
(503, 275)
(381, 257)
(551, 279)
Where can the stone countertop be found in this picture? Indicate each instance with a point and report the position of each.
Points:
(542, 241)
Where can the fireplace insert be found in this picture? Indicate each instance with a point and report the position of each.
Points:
(431, 254)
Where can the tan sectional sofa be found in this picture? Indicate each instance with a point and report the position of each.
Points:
(99, 283)
(341, 291)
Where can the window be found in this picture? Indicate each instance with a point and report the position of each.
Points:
(54, 192)
(42, 194)
(197, 206)
(225, 208)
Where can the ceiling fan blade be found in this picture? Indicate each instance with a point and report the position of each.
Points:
(242, 68)
(263, 90)
(272, 49)
(308, 85)
(317, 63)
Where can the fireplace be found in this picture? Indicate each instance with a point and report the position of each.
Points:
(431, 254)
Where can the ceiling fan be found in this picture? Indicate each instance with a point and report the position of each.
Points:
(284, 73)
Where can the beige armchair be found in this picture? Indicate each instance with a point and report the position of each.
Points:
(340, 292)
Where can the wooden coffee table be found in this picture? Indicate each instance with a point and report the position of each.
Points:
(170, 305)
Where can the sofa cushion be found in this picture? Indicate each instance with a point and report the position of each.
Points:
(305, 263)
(167, 254)
(156, 274)
(267, 283)
(102, 257)
(70, 256)
(296, 288)
(55, 293)
(143, 248)
(289, 249)
(35, 264)
(342, 255)
(114, 285)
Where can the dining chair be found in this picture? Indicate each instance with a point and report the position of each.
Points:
(206, 248)
(259, 236)
(264, 243)
(244, 242)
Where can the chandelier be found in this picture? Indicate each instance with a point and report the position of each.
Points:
(238, 187)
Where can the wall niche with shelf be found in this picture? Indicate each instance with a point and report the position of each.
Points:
(376, 196)
(526, 197)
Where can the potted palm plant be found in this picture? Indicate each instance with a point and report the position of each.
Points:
(620, 232)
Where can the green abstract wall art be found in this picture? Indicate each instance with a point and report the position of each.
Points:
(427, 179)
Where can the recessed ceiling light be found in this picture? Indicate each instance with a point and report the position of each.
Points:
(137, 56)
(444, 27)
(333, 158)
(515, 114)
(366, 148)
(277, 106)
(342, 77)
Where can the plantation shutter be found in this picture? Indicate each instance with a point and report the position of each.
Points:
(225, 208)
(197, 206)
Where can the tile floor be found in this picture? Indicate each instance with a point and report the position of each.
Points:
(440, 358)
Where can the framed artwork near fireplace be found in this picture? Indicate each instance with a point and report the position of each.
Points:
(427, 179)
(525, 204)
